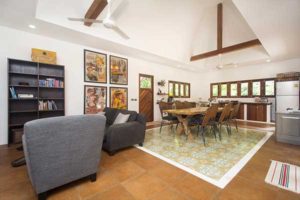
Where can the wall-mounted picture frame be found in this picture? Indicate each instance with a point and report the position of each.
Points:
(95, 99)
(119, 97)
(95, 67)
(118, 70)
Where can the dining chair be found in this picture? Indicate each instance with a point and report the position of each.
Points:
(208, 120)
(223, 119)
(234, 115)
(166, 117)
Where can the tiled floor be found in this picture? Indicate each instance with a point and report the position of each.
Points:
(135, 175)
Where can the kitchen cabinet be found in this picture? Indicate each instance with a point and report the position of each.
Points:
(257, 112)
(241, 112)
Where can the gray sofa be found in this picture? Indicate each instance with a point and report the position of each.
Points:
(119, 136)
(60, 150)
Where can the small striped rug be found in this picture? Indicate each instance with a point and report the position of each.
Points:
(284, 175)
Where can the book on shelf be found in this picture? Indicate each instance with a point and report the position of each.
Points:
(25, 96)
(47, 105)
(13, 93)
(51, 82)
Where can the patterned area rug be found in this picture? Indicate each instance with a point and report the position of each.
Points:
(284, 175)
(217, 162)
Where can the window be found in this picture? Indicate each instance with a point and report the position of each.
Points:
(182, 93)
(224, 90)
(269, 88)
(176, 90)
(215, 90)
(145, 82)
(171, 89)
(187, 90)
(179, 89)
(256, 89)
(244, 89)
(233, 89)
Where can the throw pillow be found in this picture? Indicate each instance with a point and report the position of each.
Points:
(121, 118)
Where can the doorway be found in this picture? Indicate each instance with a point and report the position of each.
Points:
(146, 96)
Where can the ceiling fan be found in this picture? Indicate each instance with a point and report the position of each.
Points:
(107, 22)
(222, 66)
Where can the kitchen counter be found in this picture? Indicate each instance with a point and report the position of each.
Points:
(258, 103)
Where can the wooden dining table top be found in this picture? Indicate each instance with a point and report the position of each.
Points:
(189, 111)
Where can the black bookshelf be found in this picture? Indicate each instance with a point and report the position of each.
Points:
(25, 77)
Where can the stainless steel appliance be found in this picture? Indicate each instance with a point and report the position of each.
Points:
(287, 96)
(288, 127)
(288, 112)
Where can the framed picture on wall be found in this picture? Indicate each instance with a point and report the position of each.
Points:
(95, 67)
(118, 70)
(118, 97)
(95, 99)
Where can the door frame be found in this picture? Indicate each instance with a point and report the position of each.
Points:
(152, 84)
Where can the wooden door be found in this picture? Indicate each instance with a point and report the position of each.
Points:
(146, 102)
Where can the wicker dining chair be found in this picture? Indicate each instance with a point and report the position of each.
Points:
(234, 114)
(166, 117)
(224, 119)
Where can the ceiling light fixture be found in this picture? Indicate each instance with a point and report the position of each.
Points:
(32, 26)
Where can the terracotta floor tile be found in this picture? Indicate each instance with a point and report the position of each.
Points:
(169, 194)
(127, 170)
(12, 176)
(109, 162)
(115, 193)
(132, 153)
(248, 190)
(196, 188)
(146, 177)
(147, 162)
(143, 186)
(105, 180)
(167, 172)
(20, 191)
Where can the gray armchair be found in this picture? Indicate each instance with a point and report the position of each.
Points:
(60, 150)
(119, 136)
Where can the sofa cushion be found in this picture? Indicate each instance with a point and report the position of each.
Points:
(110, 114)
(133, 115)
(121, 118)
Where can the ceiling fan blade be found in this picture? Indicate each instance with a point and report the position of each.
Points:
(85, 20)
(120, 32)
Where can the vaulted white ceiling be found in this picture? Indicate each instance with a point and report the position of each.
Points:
(169, 32)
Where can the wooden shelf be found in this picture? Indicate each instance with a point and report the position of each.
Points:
(25, 74)
(51, 87)
(51, 98)
(24, 111)
(24, 86)
(59, 110)
(14, 125)
(162, 94)
(23, 99)
(50, 76)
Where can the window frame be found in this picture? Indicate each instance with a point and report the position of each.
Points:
(180, 84)
(239, 83)
(237, 89)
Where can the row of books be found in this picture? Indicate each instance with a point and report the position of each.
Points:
(14, 95)
(47, 105)
(51, 82)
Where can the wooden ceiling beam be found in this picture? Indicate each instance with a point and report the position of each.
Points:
(94, 11)
(220, 26)
(228, 49)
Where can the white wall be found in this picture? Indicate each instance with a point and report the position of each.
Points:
(18, 44)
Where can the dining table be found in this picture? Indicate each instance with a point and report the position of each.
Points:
(184, 115)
